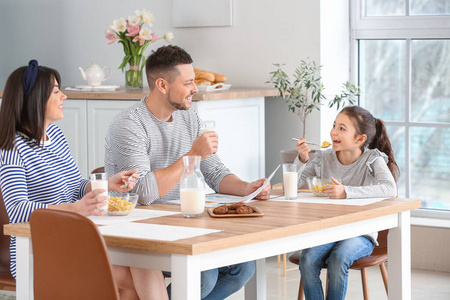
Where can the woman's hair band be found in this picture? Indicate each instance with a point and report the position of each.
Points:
(29, 77)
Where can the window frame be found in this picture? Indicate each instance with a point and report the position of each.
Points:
(406, 28)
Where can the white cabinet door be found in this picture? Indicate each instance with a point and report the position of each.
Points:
(100, 115)
(74, 127)
(240, 126)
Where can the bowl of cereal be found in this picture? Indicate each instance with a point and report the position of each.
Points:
(121, 204)
(316, 185)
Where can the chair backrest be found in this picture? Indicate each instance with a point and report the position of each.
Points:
(382, 238)
(70, 257)
(98, 170)
(5, 256)
(4, 239)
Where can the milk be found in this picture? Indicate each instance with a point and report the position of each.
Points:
(101, 184)
(290, 181)
(203, 130)
(192, 202)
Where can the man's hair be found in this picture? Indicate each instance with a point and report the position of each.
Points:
(163, 63)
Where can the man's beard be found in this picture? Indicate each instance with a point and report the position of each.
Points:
(177, 106)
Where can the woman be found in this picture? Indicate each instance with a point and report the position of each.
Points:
(37, 170)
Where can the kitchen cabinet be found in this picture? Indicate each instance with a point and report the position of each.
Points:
(240, 126)
(85, 124)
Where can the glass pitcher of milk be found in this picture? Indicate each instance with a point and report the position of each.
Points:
(192, 188)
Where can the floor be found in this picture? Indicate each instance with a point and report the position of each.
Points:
(426, 285)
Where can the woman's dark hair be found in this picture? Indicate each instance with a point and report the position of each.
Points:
(162, 63)
(375, 130)
(26, 114)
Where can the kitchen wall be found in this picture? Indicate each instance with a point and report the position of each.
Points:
(66, 34)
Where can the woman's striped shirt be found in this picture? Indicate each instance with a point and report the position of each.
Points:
(136, 139)
(33, 177)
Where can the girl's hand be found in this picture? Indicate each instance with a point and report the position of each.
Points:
(335, 191)
(303, 150)
(117, 182)
(91, 202)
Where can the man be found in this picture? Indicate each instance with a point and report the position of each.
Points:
(153, 136)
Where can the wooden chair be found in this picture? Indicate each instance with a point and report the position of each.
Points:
(98, 170)
(377, 258)
(7, 282)
(70, 258)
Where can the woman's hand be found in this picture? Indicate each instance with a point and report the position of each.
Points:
(335, 191)
(91, 203)
(117, 182)
(303, 150)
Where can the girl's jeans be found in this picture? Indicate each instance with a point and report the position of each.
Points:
(339, 257)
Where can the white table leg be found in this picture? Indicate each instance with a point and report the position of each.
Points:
(24, 268)
(185, 278)
(399, 259)
(256, 286)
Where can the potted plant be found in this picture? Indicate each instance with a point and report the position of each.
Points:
(304, 93)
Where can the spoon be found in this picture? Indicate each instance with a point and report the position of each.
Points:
(126, 183)
(324, 145)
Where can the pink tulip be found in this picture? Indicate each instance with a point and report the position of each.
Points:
(140, 39)
(133, 31)
(112, 37)
(154, 36)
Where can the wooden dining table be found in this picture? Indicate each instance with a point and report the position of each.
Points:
(284, 227)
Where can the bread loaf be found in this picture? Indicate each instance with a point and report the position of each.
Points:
(219, 78)
(203, 76)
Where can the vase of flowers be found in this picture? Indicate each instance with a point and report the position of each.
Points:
(135, 36)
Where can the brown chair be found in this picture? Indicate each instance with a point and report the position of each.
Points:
(98, 170)
(377, 258)
(7, 282)
(70, 258)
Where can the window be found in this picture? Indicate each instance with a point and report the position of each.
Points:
(401, 59)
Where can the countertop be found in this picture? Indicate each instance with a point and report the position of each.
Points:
(123, 94)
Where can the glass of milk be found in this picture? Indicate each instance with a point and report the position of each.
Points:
(208, 125)
(100, 181)
(192, 188)
(290, 181)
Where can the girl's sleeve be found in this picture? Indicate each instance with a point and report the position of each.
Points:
(15, 194)
(385, 183)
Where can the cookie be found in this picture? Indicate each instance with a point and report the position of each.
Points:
(235, 205)
(221, 210)
(244, 209)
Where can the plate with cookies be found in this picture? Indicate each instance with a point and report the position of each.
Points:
(235, 210)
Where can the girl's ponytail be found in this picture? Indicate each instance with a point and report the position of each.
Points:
(381, 142)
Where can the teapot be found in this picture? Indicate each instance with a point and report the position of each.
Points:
(95, 75)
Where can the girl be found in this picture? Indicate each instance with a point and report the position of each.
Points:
(362, 156)
(37, 170)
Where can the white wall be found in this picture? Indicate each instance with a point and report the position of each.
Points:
(67, 34)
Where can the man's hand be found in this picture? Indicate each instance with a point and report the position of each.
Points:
(205, 145)
(253, 186)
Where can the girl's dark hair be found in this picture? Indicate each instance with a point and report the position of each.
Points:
(26, 114)
(375, 130)
(162, 63)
